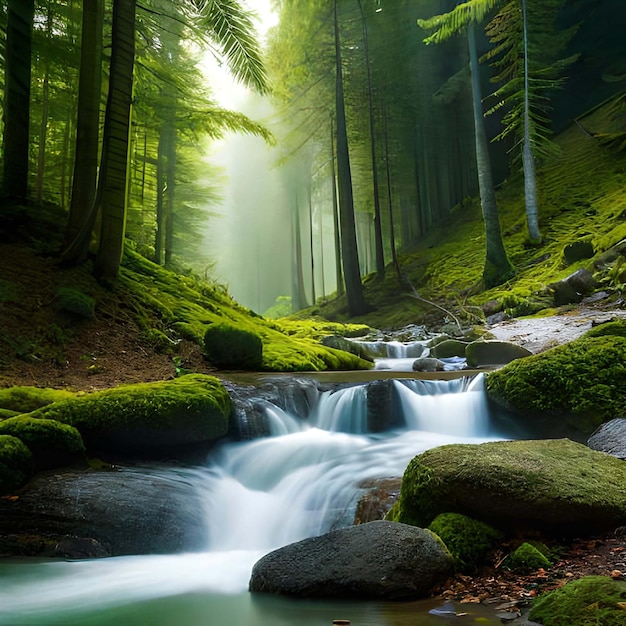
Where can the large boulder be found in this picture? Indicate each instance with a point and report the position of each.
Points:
(573, 288)
(378, 560)
(147, 418)
(493, 353)
(555, 485)
(570, 389)
(610, 437)
(16, 464)
(88, 513)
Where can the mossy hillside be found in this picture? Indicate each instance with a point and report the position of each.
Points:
(468, 540)
(147, 417)
(616, 328)
(184, 307)
(556, 485)
(582, 383)
(51, 443)
(581, 194)
(16, 464)
(589, 601)
(25, 399)
(228, 347)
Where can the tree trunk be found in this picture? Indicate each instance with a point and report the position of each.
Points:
(298, 298)
(170, 178)
(18, 48)
(43, 126)
(310, 201)
(114, 166)
(82, 214)
(333, 180)
(350, 255)
(392, 230)
(159, 236)
(497, 268)
(528, 160)
(378, 229)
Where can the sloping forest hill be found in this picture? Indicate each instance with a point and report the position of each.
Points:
(60, 328)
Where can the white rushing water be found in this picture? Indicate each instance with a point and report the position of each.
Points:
(259, 495)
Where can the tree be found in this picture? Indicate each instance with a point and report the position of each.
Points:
(497, 267)
(16, 137)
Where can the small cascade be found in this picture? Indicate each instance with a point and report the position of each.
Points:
(344, 410)
(395, 349)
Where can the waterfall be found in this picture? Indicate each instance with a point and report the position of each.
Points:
(303, 478)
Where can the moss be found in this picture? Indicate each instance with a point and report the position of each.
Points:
(468, 540)
(527, 557)
(4, 413)
(73, 301)
(16, 464)
(148, 416)
(556, 485)
(616, 328)
(584, 378)
(590, 601)
(51, 443)
(26, 399)
(231, 348)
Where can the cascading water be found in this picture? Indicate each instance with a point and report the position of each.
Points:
(258, 495)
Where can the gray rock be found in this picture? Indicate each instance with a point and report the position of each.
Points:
(449, 348)
(378, 560)
(493, 352)
(428, 364)
(610, 437)
(573, 288)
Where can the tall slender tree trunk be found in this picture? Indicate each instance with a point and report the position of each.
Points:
(311, 248)
(336, 230)
(392, 230)
(82, 214)
(159, 236)
(298, 298)
(114, 168)
(528, 159)
(17, 60)
(170, 177)
(497, 267)
(350, 255)
(43, 125)
(378, 229)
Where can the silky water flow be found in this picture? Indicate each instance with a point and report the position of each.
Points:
(302, 480)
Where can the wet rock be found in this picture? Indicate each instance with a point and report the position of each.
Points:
(381, 407)
(449, 348)
(428, 364)
(378, 560)
(610, 437)
(377, 500)
(573, 288)
(493, 352)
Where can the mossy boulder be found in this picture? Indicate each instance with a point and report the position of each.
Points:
(576, 386)
(51, 443)
(25, 399)
(16, 464)
(468, 540)
(554, 485)
(449, 348)
(493, 352)
(616, 328)
(147, 418)
(232, 348)
(527, 557)
(589, 601)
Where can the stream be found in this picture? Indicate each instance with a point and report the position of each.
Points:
(302, 480)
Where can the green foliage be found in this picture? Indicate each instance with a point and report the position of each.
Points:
(16, 464)
(468, 540)
(228, 347)
(281, 308)
(148, 416)
(72, 300)
(585, 378)
(51, 443)
(589, 601)
(527, 557)
(27, 399)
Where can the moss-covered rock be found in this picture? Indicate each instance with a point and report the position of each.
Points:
(467, 539)
(527, 557)
(589, 601)
(51, 443)
(231, 348)
(449, 348)
(16, 464)
(148, 417)
(26, 399)
(493, 352)
(616, 328)
(554, 485)
(577, 385)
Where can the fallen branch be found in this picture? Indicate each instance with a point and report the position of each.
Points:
(418, 297)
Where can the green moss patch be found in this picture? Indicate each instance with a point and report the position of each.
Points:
(527, 557)
(554, 485)
(26, 399)
(16, 464)
(583, 382)
(590, 601)
(147, 417)
(468, 540)
(51, 443)
(231, 348)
